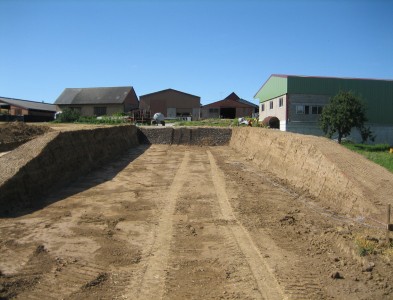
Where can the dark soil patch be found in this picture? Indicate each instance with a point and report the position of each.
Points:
(13, 134)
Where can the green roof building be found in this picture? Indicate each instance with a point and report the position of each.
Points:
(294, 103)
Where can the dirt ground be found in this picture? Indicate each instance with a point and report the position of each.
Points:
(12, 134)
(179, 222)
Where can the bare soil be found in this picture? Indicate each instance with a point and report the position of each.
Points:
(179, 222)
(13, 134)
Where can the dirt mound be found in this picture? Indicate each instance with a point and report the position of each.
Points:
(332, 174)
(14, 134)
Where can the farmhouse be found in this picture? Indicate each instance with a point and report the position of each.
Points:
(99, 101)
(172, 104)
(229, 108)
(294, 103)
(25, 110)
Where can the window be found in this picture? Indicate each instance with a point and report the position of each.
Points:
(18, 111)
(271, 104)
(280, 102)
(300, 109)
(316, 110)
(100, 111)
(308, 109)
(263, 107)
(213, 110)
(320, 108)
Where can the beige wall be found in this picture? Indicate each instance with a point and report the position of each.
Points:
(277, 111)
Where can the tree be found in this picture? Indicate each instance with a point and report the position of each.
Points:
(344, 112)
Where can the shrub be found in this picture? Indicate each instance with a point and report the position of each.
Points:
(69, 116)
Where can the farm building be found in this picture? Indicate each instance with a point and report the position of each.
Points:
(25, 110)
(295, 103)
(99, 101)
(229, 108)
(172, 104)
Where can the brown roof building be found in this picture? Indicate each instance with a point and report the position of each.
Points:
(25, 110)
(172, 104)
(229, 108)
(99, 101)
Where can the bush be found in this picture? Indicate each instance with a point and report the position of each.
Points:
(69, 116)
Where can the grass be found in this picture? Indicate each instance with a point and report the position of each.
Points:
(377, 153)
(366, 246)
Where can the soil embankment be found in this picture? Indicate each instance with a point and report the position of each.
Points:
(56, 158)
(197, 136)
(341, 179)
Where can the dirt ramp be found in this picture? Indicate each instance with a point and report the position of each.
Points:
(202, 136)
(340, 178)
(33, 169)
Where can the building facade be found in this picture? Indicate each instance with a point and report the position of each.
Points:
(99, 101)
(172, 104)
(229, 108)
(26, 110)
(298, 101)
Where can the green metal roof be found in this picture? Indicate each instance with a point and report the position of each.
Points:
(376, 94)
(275, 86)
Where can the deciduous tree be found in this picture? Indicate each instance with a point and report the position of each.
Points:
(344, 112)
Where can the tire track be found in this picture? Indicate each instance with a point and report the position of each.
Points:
(205, 260)
(267, 283)
(63, 282)
(152, 285)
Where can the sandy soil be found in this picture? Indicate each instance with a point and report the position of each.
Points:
(178, 222)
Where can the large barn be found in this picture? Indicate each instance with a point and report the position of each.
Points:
(172, 104)
(294, 103)
(26, 110)
(99, 101)
(229, 108)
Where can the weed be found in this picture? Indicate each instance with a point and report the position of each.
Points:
(365, 246)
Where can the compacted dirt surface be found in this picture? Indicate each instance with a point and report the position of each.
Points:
(180, 222)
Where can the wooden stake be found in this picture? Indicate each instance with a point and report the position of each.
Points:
(389, 226)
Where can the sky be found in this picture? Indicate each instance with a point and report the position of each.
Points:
(201, 47)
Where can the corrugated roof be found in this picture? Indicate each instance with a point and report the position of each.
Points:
(101, 95)
(27, 104)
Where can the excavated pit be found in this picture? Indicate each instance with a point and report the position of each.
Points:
(315, 165)
(190, 213)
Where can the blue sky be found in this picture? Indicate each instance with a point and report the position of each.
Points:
(206, 48)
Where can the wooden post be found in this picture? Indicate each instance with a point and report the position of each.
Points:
(389, 226)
